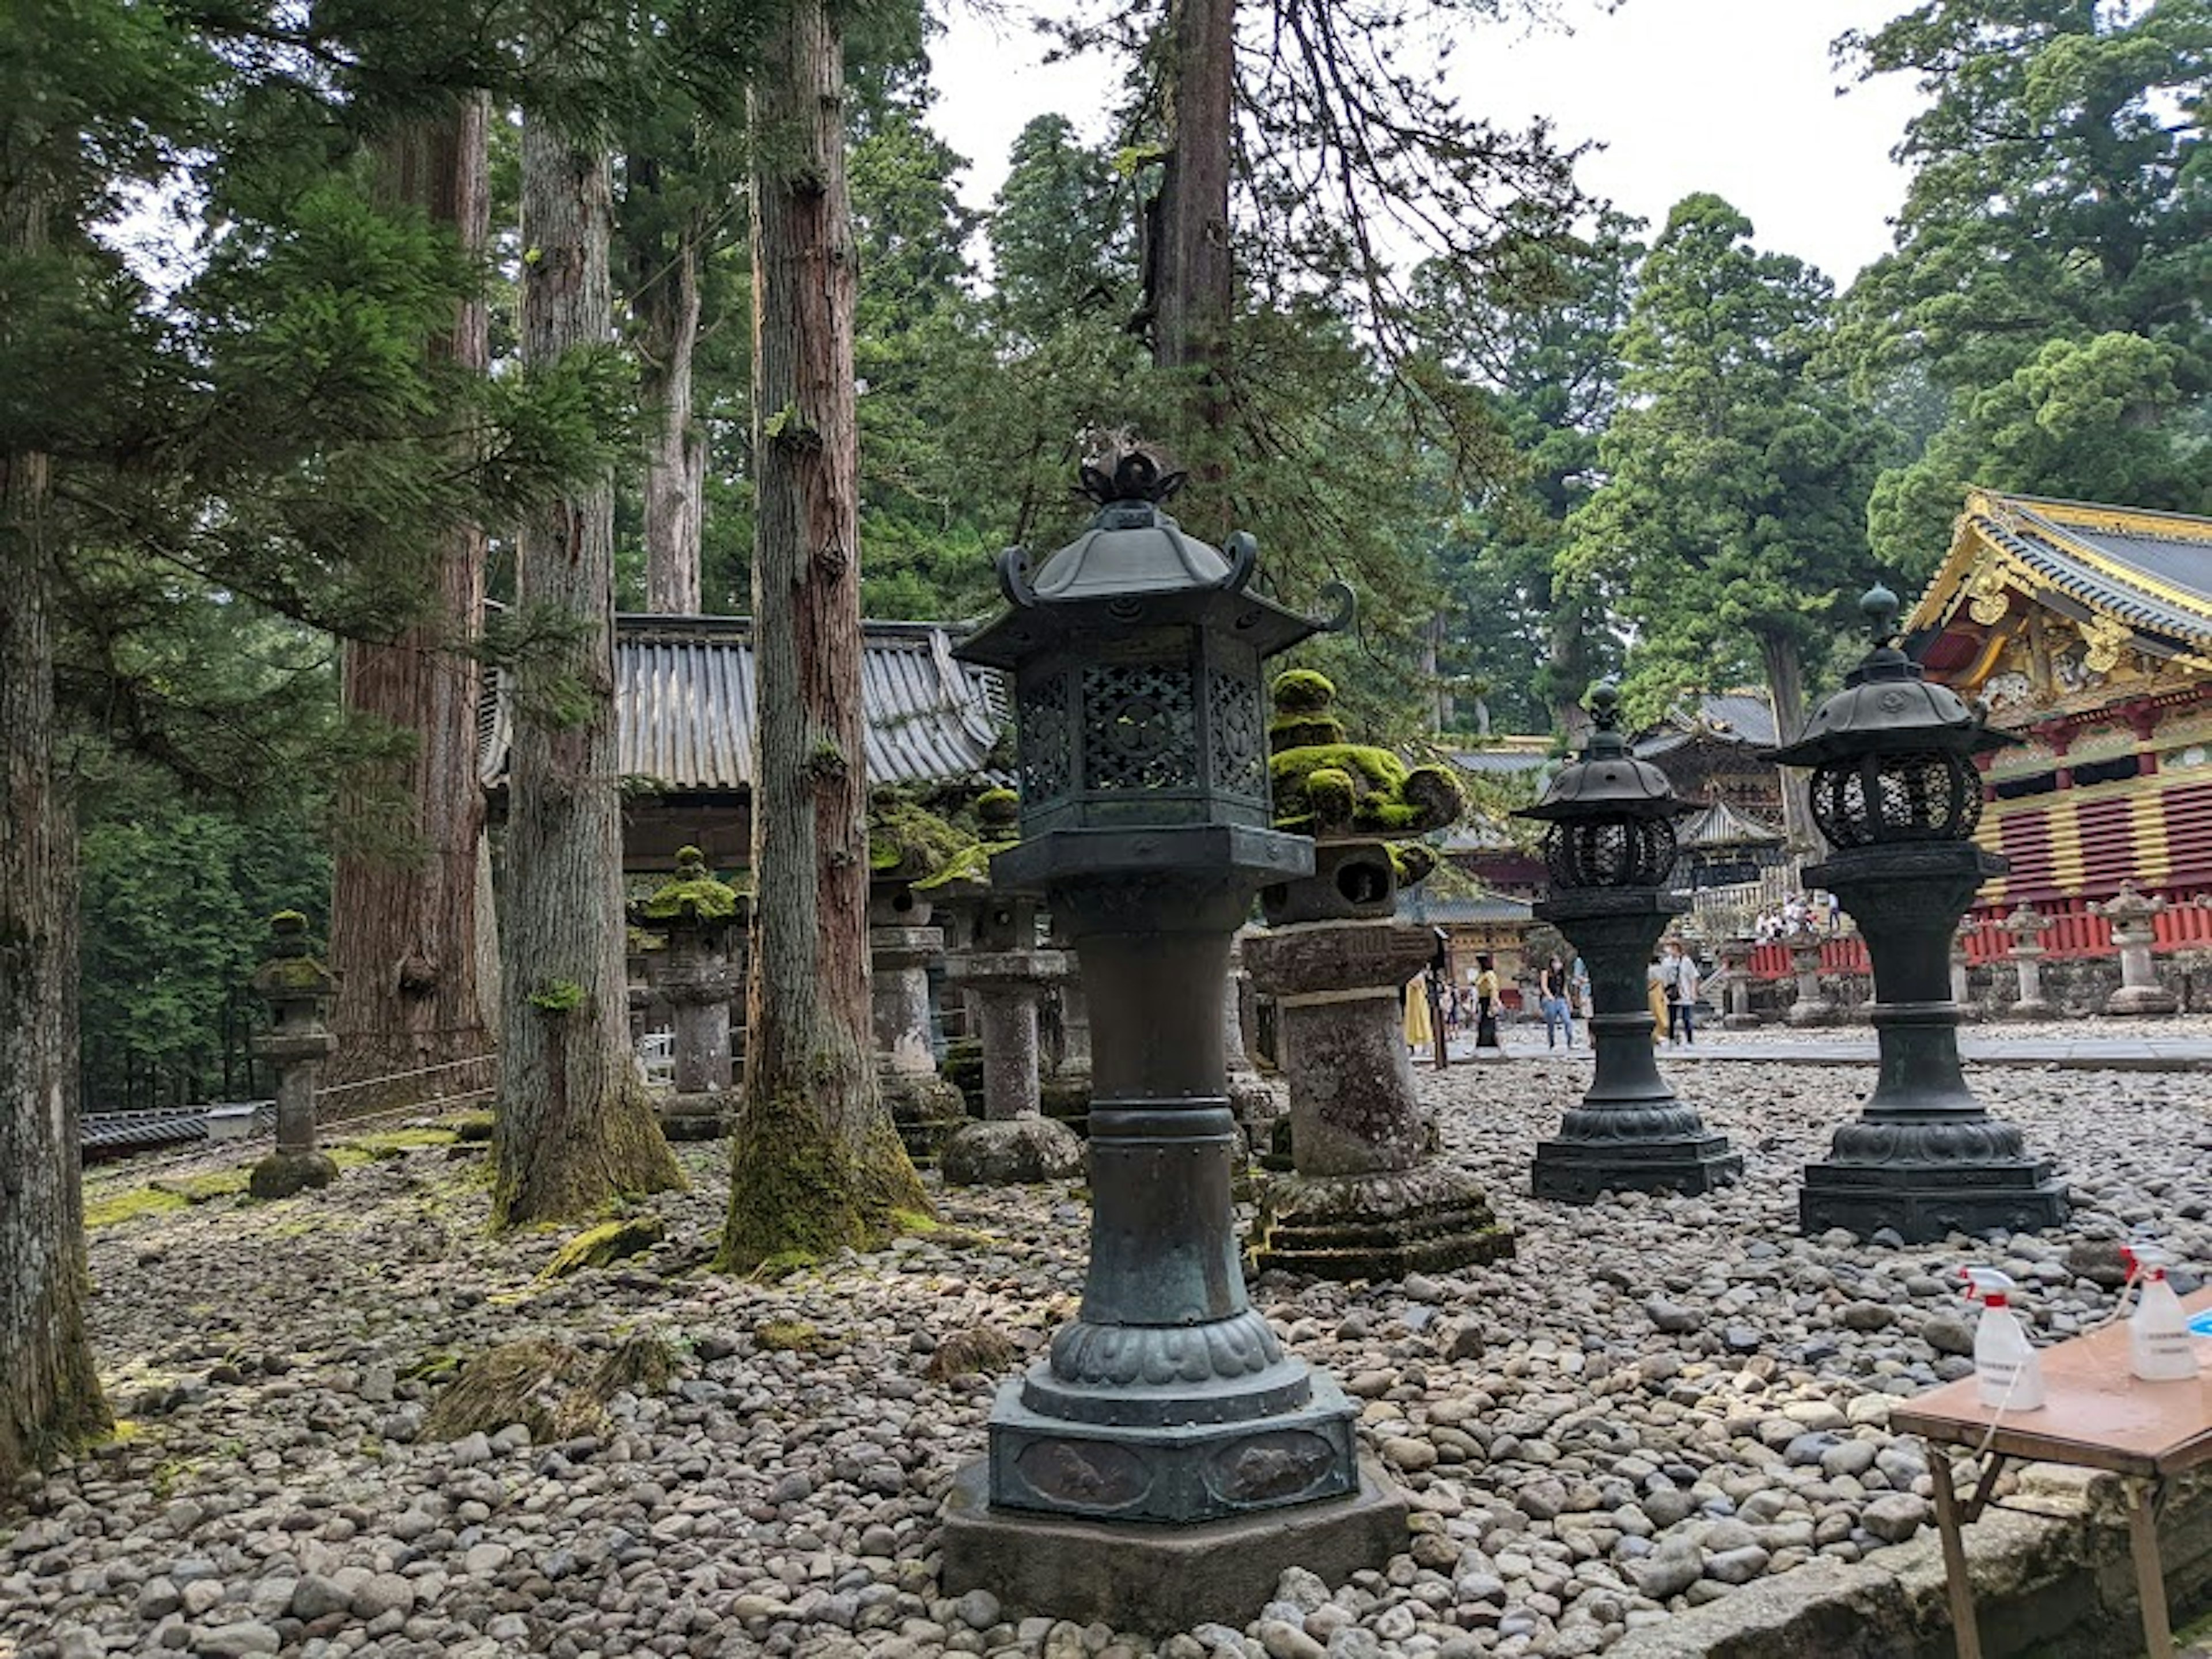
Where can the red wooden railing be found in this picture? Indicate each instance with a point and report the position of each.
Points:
(2073, 935)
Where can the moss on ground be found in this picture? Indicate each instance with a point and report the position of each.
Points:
(555, 1391)
(606, 1244)
(788, 1336)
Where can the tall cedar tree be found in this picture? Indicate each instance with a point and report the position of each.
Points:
(815, 1162)
(412, 930)
(2051, 266)
(50, 1393)
(573, 1126)
(1733, 510)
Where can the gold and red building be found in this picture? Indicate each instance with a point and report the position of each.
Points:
(2087, 631)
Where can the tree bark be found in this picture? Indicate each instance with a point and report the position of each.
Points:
(573, 1126)
(1784, 669)
(1194, 281)
(403, 919)
(50, 1397)
(815, 1163)
(666, 306)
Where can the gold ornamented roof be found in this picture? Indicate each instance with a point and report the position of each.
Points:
(2131, 580)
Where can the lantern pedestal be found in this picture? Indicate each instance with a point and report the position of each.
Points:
(1925, 1158)
(1168, 1400)
(1630, 1134)
(1367, 1199)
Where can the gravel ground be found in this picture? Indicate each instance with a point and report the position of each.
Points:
(1660, 1401)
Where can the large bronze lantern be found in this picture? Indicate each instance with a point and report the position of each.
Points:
(1135, 654)
(1609, 847)
(1895, 791)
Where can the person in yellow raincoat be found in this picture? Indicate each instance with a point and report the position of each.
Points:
(1421, 1033)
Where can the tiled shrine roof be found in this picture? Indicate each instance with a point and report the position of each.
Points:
(2151, 572)
(685, 707)
(1742, 717)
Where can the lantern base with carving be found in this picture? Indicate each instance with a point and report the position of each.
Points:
(1924, 1158)
(1630, 1134)
(1367, 1197)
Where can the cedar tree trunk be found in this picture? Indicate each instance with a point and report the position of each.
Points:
(405, 916)
(50, 1397)
(666, 306)
(1193, 290)
(815, 1163)
(573, 1126)
(1785, 682)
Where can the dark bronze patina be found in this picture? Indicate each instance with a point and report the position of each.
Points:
(1609, 847)
(1135, 654)
(1895, 790)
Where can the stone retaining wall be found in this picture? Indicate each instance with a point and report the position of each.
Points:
(2057, 1584)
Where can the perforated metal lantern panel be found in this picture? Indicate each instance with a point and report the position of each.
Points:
(1609, 852)
(1873, 799)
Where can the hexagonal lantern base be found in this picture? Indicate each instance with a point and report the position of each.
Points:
(1431, 1218)
(1179, 1472)
(1159, 1579)
(1924, 1202)
(1577, 1171)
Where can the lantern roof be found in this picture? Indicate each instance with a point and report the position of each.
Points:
(1134, 566)
(1888, 705)
(1608, 781)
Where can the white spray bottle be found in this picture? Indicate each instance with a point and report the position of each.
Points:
(2005, 1362)
(2159, 1348)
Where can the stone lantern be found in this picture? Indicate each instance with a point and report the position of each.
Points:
(1609, 848)
(1169, 1459)
(2132, 918)
(1006, 973)
(701, 968)
(297, 988)
(1367, 1197)
(2027, 924)
(1896, 792)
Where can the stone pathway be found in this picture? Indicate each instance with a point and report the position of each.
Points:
(2093, 1053)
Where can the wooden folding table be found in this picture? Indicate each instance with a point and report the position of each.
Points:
(2095, 1415)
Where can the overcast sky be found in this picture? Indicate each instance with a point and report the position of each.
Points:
(1733, 96)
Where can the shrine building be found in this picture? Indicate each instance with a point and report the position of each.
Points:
(2088, 631)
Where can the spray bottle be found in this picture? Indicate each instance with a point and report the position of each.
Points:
(2005, 1363)
(2159, 1349)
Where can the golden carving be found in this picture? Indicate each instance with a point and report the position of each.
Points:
(2105, 638)
(1991, 596)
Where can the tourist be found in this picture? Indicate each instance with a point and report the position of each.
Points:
(1657, 999)
(1678, 982)
(1421, 1032)
(1578, 991)
(1552, 1002)
(1486, 1006)
(1793, 915)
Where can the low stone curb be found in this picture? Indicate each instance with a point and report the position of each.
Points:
(2056, 1584)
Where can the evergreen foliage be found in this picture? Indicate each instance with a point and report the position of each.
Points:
(2052, 260)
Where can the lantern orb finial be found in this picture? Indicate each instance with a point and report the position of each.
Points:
(1605, 704)
(1879, 606)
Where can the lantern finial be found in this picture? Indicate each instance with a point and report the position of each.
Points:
(1605, 704)
(1879, 606)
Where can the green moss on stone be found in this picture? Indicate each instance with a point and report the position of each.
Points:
(1350, 788)
(788, 1336)
(606, 1244)
(1303, 692)
(908, 840)
(692, 894)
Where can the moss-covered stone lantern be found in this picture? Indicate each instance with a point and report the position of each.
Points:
(297, 987)
(1609, 848)
(1896, 791)
(1169, 1407)
(1367, 1196)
